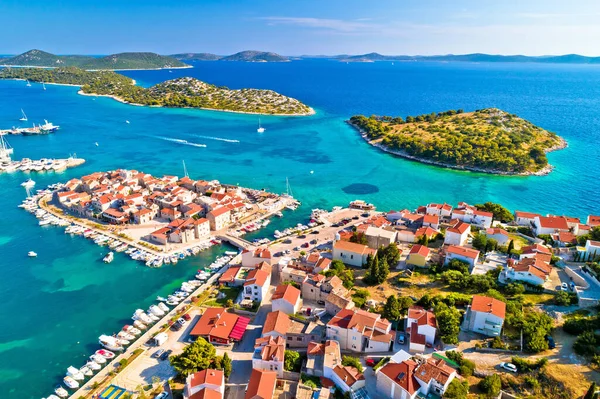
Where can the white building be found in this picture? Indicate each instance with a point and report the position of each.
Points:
(257, 284)
(351, 253)
(498, 234)
(286, 298)
(219, 218)
(457, 234)
(549, 224)
(360, 331)
(422, 327)
(468, 255)
(485, 315)
(253, 258)
(525, 218)
(212, 382)
(378, 237)
(269, 355)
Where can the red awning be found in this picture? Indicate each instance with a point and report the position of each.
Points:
(240, 328)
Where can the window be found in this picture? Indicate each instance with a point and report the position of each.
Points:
(353, 338)
(351, 256)
(298, 338)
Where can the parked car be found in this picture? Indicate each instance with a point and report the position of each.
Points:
(158, 353)
(356, 217)
(509, 367)
(302, 236)
(181, 321)
(370, 362)
(401, 338)
(176, 327)
(162, 395)
(287, 241)
(305, 245)
(551, 342)
(313, 242)
(166, 355)
(365, 215)
(564, 287)
(314, 232)
(187, 317)
(572, 285)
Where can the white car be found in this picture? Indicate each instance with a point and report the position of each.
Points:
(564, 287)
(509, 367)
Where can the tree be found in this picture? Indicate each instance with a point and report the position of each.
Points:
(292, 361)
(491, 245)
(371, 276)
(500, 213)
(457, 389)
(448, 320)
(384, 271)
(359, 297)
(195, 357)
(490, 385)
(511, 246)
(536, 326)
(404, 302)
(391, 309)
(480, 241)
(514, 289)
(352, 362)
(590, 392)
(359, 238)
(391, 253)
(562, 298)
(227, 365)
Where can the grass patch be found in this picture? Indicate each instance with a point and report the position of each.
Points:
(230, 293)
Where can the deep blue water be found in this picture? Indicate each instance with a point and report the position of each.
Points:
(55, 306)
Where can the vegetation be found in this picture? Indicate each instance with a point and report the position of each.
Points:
(200, 355)
(448, 320)
(457, 389)
(352, 362)
(466, 367)
(359, 238)
(176, 93)
(378, 268)
(525, 366)
(500, 213)
(255, 56)
(490, 385)
(391, 309)
(337, 268)
(292, 361)
(489, 140)
(359, 297)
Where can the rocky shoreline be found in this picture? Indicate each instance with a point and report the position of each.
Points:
(542, 172)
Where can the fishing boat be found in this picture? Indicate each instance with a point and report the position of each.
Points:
(24, 117)
(60, 391)
(109, 257)
(48, 127)
(75, 373)
(260, 128)
(70, 382)
(105, 353)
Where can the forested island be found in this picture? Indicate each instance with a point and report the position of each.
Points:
(488, 140)
(176, 93)
(38, 58)
(244, 56)
(475, 57)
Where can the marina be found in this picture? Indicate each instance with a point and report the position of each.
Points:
(8, 165)
(41, 129)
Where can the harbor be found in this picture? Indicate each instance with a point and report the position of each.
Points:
(8, 165)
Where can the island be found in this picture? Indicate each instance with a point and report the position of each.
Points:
(42, 59)
(475, 57)
(488, 140)
(177, 93)
(242, 56)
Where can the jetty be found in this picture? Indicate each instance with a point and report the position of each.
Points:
(7, 164)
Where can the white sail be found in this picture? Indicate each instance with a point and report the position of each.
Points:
(24, 117)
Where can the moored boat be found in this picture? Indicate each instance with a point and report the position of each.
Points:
(105, 353)
(110, 343)
(70, 382)
(98, 359)
(60, 391)
(75, 373)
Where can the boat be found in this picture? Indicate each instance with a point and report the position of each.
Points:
(31, 254)
(98, 359)
(131, 330)
(109, 257)
(125, 335)
(163, 307)
(52, 397)
(24, 117)
(127, 122)
(28, 183)
(260, 128)
(60, 391)
(161, 299)
(70, 382)
(172, 303)
(28, 84)
(231, 253)
(155, 310)
(139, 324)
(43, 85)
(105, 353)
(75, 373)
(86, 371)
(92, 365)
(110, 343)
(48, 127)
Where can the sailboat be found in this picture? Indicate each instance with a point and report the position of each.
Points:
(5, 150)
(260, 128)
(24, 117)
(28, 84)
(44, 85)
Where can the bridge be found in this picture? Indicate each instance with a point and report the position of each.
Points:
(237, 241)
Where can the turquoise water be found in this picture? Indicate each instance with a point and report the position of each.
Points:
(54, 307)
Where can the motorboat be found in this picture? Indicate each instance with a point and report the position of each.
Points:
(125, 335)
(60, 391)
(139, 324)
(110, 343)
(172, 303)
(153, 317)
(92, 365)
(52, 397)
(109, 257)
(163, 307)
(29, 183)
(105, 353)
(161, 299)
(98, 359)
(122, 341)
(70, 382)
(131, 330)
(31, 254)
(156, 310)
(141, 316)
(75, 373)
(86, 371)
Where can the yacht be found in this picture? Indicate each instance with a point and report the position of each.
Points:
(28, 84)
(156, 310)
(127, 122)
(98, 359)
(163, 307)
(92, 365)
(75, 373)
(109, 257)
(48, 127)
(260, 128)
(28, 183)
(105, 353)
(60, 391)
(31, 254)
(110, 343)
(70, 382)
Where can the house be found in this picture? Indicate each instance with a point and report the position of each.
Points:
(276, 324)
(404, 234)
(143, 216)
(593, 221)
(418, 256)
(421, 324)
(564, 238)
(485, 315)
(218, 326)
(230, 278)
(592, 248)
(549, 224)
(257, 283)
(409, 379)
(467, 255)
(338, 300)
(361, 331)
(351, 253)
(170, 214)
(469, 214)
(286, 298)
(219, 218)
(261, 384)
(528, 270)
(269, 355)
(500, 235)
(426, 232)
(535, 250)
(441, 210)
(253, 258)
(525, 218)
(205, 384)
(432, 221)
(457, 234)
(325, 360)
(378, 237)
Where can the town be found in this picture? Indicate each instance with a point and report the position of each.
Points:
(443, 301)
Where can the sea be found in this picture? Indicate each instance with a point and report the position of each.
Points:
(54, 307)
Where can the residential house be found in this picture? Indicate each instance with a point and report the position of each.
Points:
(257, 283)
(231, 277)
(218, 326)
(378, 237)
(269, 355)
(418, 256)
(525, 218)
(261, 384)
(276, 324)
(549, 224)
(500, 235)
(205, 384)
(441, 210)
(421, 324)
(170, 214)
(325, 360)
(529, 270)
(143, 216)
(361, 331)
(219, 218)
(296, 334)
(287, 299)
(351, 253)
(432, 221)
(457, 234)
(468, 255)
(469, 214)
(485, 315)
(253, 258)
(593, 221)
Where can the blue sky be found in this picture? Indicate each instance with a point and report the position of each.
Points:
(295, 27)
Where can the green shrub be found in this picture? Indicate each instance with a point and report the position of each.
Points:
(526, 366)
(352, 362)
(490, 385)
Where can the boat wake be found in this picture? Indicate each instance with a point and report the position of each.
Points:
(180, 141)
(218, 139)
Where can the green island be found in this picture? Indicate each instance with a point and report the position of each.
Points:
(488, 140)
(177, 93)
(137, 60)
(242, 56)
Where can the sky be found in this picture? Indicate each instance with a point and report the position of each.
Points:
(300, 27)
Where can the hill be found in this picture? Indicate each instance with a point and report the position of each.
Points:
(177, 93)
(40, 58)
(255, 56)
(196, 57)
(488, 140)
(476, 57)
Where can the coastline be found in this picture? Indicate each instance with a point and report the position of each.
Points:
(96, 70)
(542, 172)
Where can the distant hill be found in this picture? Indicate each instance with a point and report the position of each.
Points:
(196, 57)
(475, 57)
(39, 58)
(255, 56)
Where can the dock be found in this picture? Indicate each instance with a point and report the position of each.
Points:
(40, 165)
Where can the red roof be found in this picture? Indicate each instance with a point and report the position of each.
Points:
(261, 384)
(422, 316)
(486, 304)
(462, 251)
(239, 328)
(403, 375)
(208, 376)
(215, 322)
(431, 219)
(219, 211)
(495, 231)
(278, 322)
(419, 249)
(459, 228)
(554, 222)
(287, 292)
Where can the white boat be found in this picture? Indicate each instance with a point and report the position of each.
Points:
(86, 371)
(92, 365)
(110, 343)
(231, 253)
(139, 324)
(155, 310)
(109, 257)
(98, 359)
(24, 117)
(43, 85)
(161, 299)
(127, 122)
(131, 330)
(28, 183)
(125, 335)
(31, 254)
(260, 128)
(70, 382)
(28, 84)
(75, 373)
(163, 307)
(142, 317)
(172, 303)
(52, 397)
(60, 391)
(105, 353)
(48, 127)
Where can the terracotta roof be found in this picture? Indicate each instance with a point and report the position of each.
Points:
(594, 243)
(567, 237)
(535, 248)
(287, 292)
(208, 376)
(419, 249)
(359, 319)
(486, 304)
(434, 369)
(278, 322)
(415, 337)
(257, 277)
(219, 211)
(422, 316)
(521, 267)
(593, 220)
(350, 375)
(459, 228)
(207, 393)
(483, 213)
(426, 231)
(351, 247)
(402, 374)
(495, 231)
(553, 222)
(432, 219)
(272, 350)
(229, 275)
(261, 384)
(462, 251)
(215, 322)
